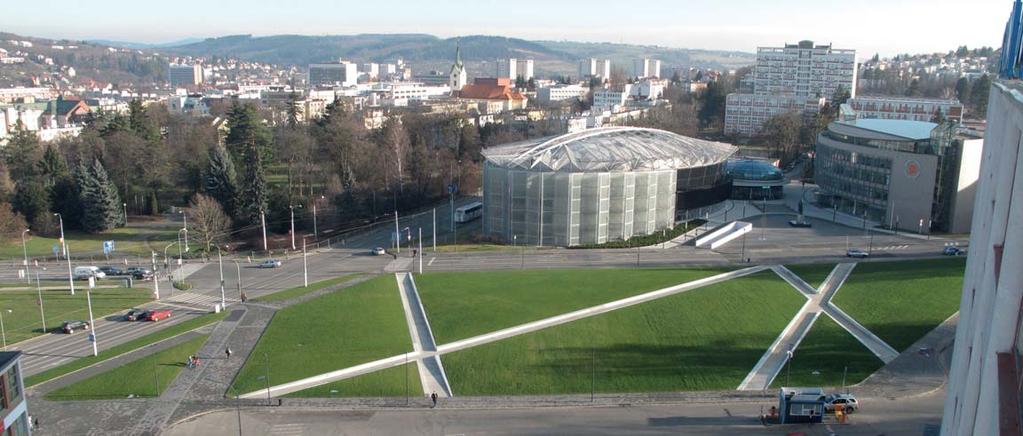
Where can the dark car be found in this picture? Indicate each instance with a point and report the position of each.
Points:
(139, 273)
(135, 315)
(797, 223)
(69, 327)
(953, 251)
(111, 271)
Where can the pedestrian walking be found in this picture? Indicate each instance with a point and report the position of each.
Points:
(35, 424)
(433, 397)
(190, 362)
(228, 352)
(195, 361)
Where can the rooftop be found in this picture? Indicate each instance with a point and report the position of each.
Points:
(905, 129)
(610, 149)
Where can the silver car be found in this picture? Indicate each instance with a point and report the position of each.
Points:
(857, 253)
(270, 263)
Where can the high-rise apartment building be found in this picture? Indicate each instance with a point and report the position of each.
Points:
(342, 73)
(514, 68)
(790, 77)
(599, 68)
(643, 68)
(184, 75)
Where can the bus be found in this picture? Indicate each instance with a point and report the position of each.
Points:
(468, 212)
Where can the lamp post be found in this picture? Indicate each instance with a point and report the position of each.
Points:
(156, 279)
(184, 223)
(238, 267)
(315, 230)
(305, 267)
(292, 208)
(24, 247)
(125, 206)
(70, 278)
(3, 332)
(39, 293)
(262, 221)
(220, 261)
(92, 324)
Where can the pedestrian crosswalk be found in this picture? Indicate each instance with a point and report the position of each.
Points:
(287, 429)
(197, 300)
(892, 247)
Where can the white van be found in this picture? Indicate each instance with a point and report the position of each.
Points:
(84, 272)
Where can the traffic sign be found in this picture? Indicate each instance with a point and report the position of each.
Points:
(452, 188)
(92, 337)
(108, 247)
(56, 249)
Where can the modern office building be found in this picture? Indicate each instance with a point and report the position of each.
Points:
(984, 392)
(611, 98)
(788, 77)
(599, 68)
(906, 108)
(184, 75)
(593, 186)
(755, 179)
(342, 73)
(560, 92)
(908, 175)
(643, 68)
(13, 404)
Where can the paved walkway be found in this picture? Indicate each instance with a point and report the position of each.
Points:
(400, 359)
(431, 371)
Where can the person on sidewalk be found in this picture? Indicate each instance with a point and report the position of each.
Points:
(228, 352)
(433, 397)
(190, 363)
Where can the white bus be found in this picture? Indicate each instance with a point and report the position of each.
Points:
(468, 212)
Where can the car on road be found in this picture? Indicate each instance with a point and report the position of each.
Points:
(139, 273)
(857, 253)
(69, 327)
(270, 263)
(379, 251)
(798, 223)
(847, 401)
(111, 271)
(158, 314)
(953, 251)
(135, 315)
(84, 272)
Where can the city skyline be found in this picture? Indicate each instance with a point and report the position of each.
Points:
(917, 26)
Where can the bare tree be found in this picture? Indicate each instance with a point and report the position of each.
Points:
(210, 223)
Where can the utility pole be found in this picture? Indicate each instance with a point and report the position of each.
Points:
(67, 255)
(39, 292)
(434, 230)
(92, 324)
(220, 260)
(156, 278)
(305, 267)
(262, 220)
(420, 250)
(397, 232)
(24, 246)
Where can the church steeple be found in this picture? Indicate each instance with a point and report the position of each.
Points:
(458, 77)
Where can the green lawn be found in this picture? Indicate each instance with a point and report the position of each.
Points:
(828, 349)
(359, 324)
(127, 240)
(145, 377)
(901, 301)
(707, 338)
(391, 382)
(813, 273)
(126, 347)
(299, 291)
(23, 321)
(465, 304)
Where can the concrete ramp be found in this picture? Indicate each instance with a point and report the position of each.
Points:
(431, 371)
(724, 234)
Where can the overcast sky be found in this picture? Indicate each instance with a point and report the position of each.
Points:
(869, 26)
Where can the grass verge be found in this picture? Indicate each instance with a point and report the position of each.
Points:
(466, 304)
(117, 350)
(813, 273)
(823, 356)
(145, 377)
(903, 300)
(22, 319)
(127, 241)
(330, 332)
(299, 291)
(707, 338)
(398, 381)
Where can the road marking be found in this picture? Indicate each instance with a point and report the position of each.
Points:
(430, 263)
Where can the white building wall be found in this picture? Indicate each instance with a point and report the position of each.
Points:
(989, 320)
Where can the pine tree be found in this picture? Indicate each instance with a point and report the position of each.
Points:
(294, 111)
(140, 123)
(255, 195)
(101, 206)
(220, 180)
(21, 152)
(30, 199)
(52, 166)
(248, 141)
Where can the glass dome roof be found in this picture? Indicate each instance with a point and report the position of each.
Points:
(749, 169)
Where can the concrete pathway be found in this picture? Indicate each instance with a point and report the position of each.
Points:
(431, 371)
(400, 359)
(877, 346)
(402, 263)
(797, 282)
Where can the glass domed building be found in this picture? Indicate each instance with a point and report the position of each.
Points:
(594, 186)
(755, 179)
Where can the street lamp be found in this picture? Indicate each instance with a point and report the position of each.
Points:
(220, 260)
(24, 247)
(184, 220)
(315, 230)
(39, 291)
(125, 206)
(238, 266)
(2, 331)
(67, 255)
(292, 207)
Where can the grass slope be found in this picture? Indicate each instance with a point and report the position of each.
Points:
(127, 240)
(23, 320)
(813, 273)
(707, 338)
(299, 291)
(356, 325)
(391, 382)
(129, 346)
(828, 349)
(901, 301)
(466, 304)
(146, 377)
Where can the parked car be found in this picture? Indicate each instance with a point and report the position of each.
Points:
(270, 263)
(797, 223)
(84, 272)
(158, 314)
(111, 271)
(139, 273)
(135, 315)
(69, 327)
(848, 402)
(857, 253)
(379, 251)
(953, 251)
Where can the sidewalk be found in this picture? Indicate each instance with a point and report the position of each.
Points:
(431, 371)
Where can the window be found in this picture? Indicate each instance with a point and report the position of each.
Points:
(13, 387)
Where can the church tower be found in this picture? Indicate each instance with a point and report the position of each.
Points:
(457, 78)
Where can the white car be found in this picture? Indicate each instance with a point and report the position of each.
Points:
(270, 263)
(379, 251)
(857, 253)
(848, 402)
(84, 272)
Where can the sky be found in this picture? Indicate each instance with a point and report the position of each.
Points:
(887, 27)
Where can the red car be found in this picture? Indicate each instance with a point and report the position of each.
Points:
(156, 315)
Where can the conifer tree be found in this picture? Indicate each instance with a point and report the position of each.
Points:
(101, 206)
(220, 180)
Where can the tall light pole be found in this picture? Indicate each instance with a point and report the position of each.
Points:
(180, 253)
(292, 207)
(3, 332)
(420, 253)
(220, 260)
(238, 266)
(39, 292)
(397, 232)
(316, 232)
(262, 220)
(24, 247)
(305, 267)
(184, 218)
(92, 324)
(156, 278)
(125, 206)
(434, 229)
(67, 255)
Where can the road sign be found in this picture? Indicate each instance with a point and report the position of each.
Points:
(452, 188)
